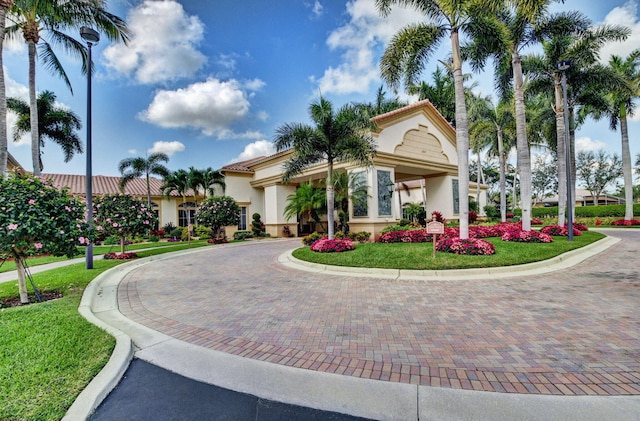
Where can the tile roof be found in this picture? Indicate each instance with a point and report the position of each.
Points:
(410, 108)
(242, 166)
(103, 184)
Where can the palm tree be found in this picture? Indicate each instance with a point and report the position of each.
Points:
(132, 168)
(206, 179)
(307, 199)
(349, 187)
(338, 136)
(55, 123)
(35, 17)
(5, 5)
(380, 106)
(409, 51)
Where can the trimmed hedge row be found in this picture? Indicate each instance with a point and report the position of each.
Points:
(584, 211)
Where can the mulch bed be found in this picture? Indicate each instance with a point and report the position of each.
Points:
(15, 301)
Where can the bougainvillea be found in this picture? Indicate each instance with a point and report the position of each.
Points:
(324, 245)
(123, 216)
(36, 217)
(470, 246)
(527, 236)
(558, 231)
(217, 212)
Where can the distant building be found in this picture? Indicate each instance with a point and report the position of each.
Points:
(585, 198)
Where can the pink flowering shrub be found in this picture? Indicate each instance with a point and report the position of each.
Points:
(558, 231)
(469, 247)
(406, 236)
(580, 227)
(324, 245)
(120, 256)
(217, 212)
(527, 236)
(625, 222)
(536, 221)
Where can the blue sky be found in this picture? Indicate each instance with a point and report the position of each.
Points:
(209, 85)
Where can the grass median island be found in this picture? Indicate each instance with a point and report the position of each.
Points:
(418, 256)
(49, 351)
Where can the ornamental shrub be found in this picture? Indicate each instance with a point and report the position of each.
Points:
(217, 212)
(625, 222)
(324, 245)
(242, 235)
(527, 236)
(311, 238)
(120, 256)
(36, 217)
(176, 233)
(470, 246)
(257, 227)
(396, 228)
(579, 226)
(122, 215)
(406, 236)
(360, 237)
(558, 231)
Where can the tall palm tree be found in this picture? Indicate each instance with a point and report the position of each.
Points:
(380, 106)
(5, 5)
(338, 136)
(206, 179)
(407, 54)
(132, 168)
(55, 123)
(37, 17)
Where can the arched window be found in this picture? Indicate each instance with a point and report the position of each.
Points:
(186, 214)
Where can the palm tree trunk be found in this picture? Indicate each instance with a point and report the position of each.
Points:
(33, 112)
(503, 177)
(626, 165)
(478, 175)
(560, 152)
(148, 192)
(462, 135)
(524, 157)
(4, 143)
(330, 200)
(572, 161)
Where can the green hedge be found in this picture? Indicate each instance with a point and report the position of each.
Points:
(585, 211)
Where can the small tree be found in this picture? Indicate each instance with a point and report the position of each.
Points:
(36, 217)
(257, 225)
(217, 212)
(597, 170)
(122, 215)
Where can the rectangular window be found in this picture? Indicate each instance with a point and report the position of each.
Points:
(359, 194)
(186, 217)
(456, 198)
(242, 225)
(385, 191)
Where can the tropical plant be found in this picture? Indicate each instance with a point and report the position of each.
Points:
(58, 124)
(5, 6)
(380, 106)
(217, 212)
(349, 187)
(132, 168)
(408, 52)
(36, 217)
(52, 18)
(338, 136)
(306, 200)
(177, 181)
(206, 180)
(123, 216)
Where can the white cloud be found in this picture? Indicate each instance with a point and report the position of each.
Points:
(262, 116)
(162, 45)
(254, 85)
(168, 148)
(626, 15)
(210, 106)
(254, 150)
(317, 9)
(15, 90)
(360, 38)
(587, 144)
(132, 152)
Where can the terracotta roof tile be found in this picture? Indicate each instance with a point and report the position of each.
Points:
(410, 108)
(103, 184)
(242, 166)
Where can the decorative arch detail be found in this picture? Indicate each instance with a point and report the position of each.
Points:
(420, 143)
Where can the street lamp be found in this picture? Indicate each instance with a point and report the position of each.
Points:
(563, 66)
(91, 37)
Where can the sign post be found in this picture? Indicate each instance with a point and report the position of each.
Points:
(434, 228)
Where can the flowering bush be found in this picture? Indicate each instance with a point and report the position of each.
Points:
(217, 241)
(527, 236)
(625, 222)
(536, 221)
(406, 236)
(123, 216)
(217, 212)
(558, 231)
(438, 217)
(470, 246)
(120, 256)
(324, 245)
(580, 227)
(308, 240)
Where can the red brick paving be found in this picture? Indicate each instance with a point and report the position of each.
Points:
(571, 332)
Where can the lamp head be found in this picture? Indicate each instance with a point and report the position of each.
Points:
(563, 65)
(90, 35)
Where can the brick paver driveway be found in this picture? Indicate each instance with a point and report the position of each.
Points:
(571, 332)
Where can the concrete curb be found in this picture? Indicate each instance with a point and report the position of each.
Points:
(563, 261)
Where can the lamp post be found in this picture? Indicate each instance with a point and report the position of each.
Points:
(563, 66)
(91, 37)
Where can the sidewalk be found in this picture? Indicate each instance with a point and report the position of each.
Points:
(207, 339)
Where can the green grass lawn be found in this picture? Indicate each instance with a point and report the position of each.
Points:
(9, 265)
(419, 256)
(49, 352)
